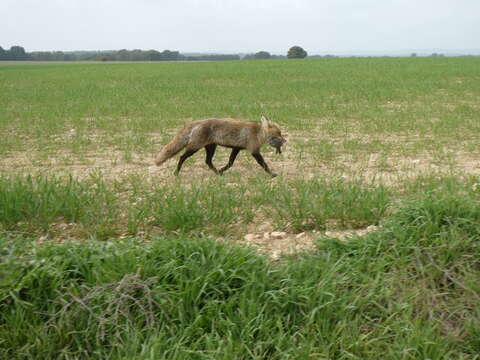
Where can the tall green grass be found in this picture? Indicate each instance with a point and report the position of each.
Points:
(301, 205)
(104, 210)
(35, 203)
(407, 291)
(101, 209)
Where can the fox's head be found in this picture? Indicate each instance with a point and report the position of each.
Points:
(273, 134)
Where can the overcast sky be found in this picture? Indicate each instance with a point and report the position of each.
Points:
(320, 26)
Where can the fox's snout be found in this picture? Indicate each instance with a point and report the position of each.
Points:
(277, 141)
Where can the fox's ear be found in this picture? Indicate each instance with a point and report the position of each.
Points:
(264, 123)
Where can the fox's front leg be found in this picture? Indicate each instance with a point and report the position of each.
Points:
(182, 159)
(262, 163)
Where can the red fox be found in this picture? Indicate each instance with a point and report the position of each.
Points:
(234, 134)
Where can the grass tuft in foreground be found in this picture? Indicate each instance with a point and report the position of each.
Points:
(407, 291)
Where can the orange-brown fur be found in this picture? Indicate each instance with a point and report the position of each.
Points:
(231, 133)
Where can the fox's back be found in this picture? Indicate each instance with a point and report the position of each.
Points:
(225, 132)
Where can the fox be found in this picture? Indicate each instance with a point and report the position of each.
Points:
(235, 134)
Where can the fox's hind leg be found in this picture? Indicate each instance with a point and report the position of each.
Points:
(184, 157)
(231, 160)
(210, 149)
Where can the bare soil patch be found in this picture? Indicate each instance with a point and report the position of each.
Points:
(277, 243)
(300, 158)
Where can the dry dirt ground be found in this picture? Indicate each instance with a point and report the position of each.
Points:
(300, 159)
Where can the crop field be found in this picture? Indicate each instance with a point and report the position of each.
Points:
(366, 246)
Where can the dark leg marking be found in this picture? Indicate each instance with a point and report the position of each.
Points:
(231, 160)
(210, 149)
(262, 163)
(184, 157)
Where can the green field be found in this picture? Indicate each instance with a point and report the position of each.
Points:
(377, 206)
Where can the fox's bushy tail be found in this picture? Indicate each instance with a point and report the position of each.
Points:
(172, 148)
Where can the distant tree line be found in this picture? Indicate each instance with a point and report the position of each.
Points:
(154, 55)
(262, 55)
(19, 53)
(295, 52)
(15, 53)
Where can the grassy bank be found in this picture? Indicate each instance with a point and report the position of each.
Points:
(407, 291)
